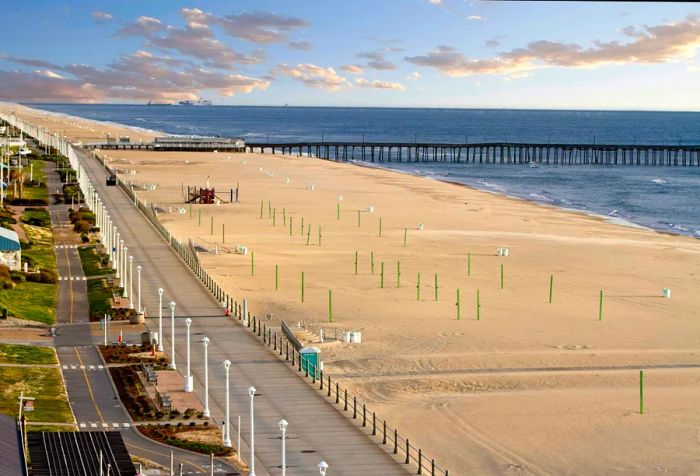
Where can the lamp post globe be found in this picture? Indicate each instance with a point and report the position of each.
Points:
(322, 468)
(283, 428)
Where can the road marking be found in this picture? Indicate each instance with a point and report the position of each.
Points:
(126, 425)
(93, 425)
(115, 425)
(92, 367)
(72, 367)
(100, 366)
(89, 387)
(65, 367)
(83, 425)
(105, 425)
(196, 466)
(82, 367)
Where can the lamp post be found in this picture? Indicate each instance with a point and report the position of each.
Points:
(116, 258)
(138, 285)
(205, 341)
(322, 468)
(227, 429)
(188, 377)
(131, 282)
(122, 262)
(283, 428)
(172, 335)
(251, 394)
(160, 319)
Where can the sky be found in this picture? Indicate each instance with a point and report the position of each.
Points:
(383, 53)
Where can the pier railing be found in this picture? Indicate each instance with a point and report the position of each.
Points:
(491, 153)
(347, 402)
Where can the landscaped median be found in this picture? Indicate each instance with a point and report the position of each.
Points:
(33, 371)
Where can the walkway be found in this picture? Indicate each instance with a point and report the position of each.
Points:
(317, 431)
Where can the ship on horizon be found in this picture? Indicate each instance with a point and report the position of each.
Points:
(151, 103)
(198, 102)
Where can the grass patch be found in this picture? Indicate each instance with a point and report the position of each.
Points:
(38, 428)
(99, 298)
(33, 301)
(51, 404)
(39, 251)
(26, 354)
(92, 262)
(37, 217)
(38, 171)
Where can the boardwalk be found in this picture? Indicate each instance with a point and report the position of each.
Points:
(491, 153)
(317, 431)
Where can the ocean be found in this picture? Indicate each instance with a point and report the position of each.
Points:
(656, 197)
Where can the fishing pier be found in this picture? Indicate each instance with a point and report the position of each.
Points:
(489, 153)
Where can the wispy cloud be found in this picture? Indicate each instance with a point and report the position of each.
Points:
(377, 84)
(301, 45)
(313, 76)
(101, 17)
(476, 18)
(352, 69)
(260, 27)
(653, 44)
(377, 58)
(414, 76)
(142, 26)
(495, 41)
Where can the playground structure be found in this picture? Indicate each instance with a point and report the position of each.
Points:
(208, 196)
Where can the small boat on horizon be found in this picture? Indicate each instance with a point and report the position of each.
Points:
(151, 103)
(197, 102)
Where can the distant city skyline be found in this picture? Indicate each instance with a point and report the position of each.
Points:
(407, 53)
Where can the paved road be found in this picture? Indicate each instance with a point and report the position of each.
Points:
(317, 431)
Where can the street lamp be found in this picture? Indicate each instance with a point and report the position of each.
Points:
(188, 377)
(160, 319)
(131, 282)
(322, 467)
(138, 283)
(122, 261)
(227, 429)
(205, 341)
(172, 335)
(251, 394)
(283, 428)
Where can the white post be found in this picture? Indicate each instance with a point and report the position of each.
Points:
(227, 427)
(206, 413)
(283, 428)
(238, 441)
(138, 285)
(116, 258)
(188, 376)
(131, 282)
(172, 335)
(106, 329)
(122, 262)
(251, 394)
(160, 319)
(322, 468)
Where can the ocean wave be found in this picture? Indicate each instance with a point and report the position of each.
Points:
(540, 197)
(659, 181)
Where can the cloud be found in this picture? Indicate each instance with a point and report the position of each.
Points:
(352, 69)
(495, 41)
(653, 44)
(313, 76)
(476, 18)
(436, 2)
(143, 26)
(259, 27)
(377, 84)
(301, 45)
(415, 76)
(101, 17)
(29, 61)
(377, 58)
(140, 76)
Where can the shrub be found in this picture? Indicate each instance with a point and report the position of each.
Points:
(84, 238)
(17, 276)
(81, 226)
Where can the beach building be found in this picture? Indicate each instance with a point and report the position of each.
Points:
(10, 249)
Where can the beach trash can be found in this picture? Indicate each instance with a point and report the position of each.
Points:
(667, 293)
(310, 356)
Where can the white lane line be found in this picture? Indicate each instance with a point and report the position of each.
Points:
(115, 425)
(82, 367)
(126, 425)
(93, 425)
(65, 367)
(83, 425)
(92, 367)
(72, 367)
(105, 425)
(100, 366)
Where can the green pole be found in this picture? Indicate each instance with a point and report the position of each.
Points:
(274, 216)
(302, 286)
(405, 235)
(269, 209)
(223, 233)
(261, 208)
(380, 227)
(302, 227)
(356, 256)
(277, 277)
(337, 211)
(641, 392)
(330, 306)
(284, 217)
(600, 306)
(211, 226)
(459, 311)
(358, 218)
(290, 225)
(371, 260)
(381, 273)
(252, 263)
(501, 276)
(308, 235)
(199, 217)
(436, 287)
(398, 274)
(190, 211)
(319, 235)
(551, 287)
(469, 264)
(478, 306)
(418, 288)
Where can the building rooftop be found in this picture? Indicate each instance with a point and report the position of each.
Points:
(9, 241)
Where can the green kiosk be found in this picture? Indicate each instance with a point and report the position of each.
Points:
(310, 357)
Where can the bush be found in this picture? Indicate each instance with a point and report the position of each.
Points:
(84, 238)
(81, 226)
(44, 276)
(18, 276)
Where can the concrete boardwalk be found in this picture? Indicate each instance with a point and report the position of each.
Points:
(317, 431)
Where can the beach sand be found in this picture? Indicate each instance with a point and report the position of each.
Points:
(531, 387)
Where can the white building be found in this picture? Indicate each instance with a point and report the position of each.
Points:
(10, 249)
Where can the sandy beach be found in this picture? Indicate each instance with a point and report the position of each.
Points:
(531, 387)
